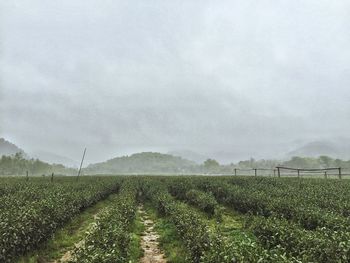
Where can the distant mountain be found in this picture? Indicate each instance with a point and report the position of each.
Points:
(190, 155)
(333, 148)
(8, 148)
(54, 158)
(146, 162)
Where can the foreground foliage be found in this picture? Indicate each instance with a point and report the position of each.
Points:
(203, 244)
(110, 238)
(282, 220)
(308, 219)
(32, 211)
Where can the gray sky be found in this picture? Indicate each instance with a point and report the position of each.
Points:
(224, 78)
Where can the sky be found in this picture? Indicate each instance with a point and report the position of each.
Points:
(228, 79)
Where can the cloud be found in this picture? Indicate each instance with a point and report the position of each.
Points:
(243, 77)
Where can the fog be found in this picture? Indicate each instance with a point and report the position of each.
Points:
(227, 79)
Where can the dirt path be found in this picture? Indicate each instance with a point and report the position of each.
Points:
(69, 254)
(149, 241)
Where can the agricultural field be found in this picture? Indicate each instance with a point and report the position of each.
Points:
(174, 219)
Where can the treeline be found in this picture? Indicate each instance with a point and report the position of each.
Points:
(295, 162)
(320, 162)
(157, 163)
(18, 165)
(146, 162)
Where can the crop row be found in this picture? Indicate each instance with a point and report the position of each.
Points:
(203, 244)
(109, 239)
(322, 245)
(329, 195)
(205, 201)
(287, 220)
(45, 207)
(257, 202)
(304, 232)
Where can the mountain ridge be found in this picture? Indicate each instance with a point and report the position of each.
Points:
(144, 162)
(333, 148)
(9, 148)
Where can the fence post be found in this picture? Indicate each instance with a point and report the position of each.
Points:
(298, 173)
(339, 169)
(27, 176)
(235, 171)
(278, 172)
(81, 164)
(325, 174)
(256, 172)
(51, 177)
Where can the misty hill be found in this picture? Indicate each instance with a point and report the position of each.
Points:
(54, 158)
(334, 148)
(18, 164)
(8, 148)
(146, 162)
(189, 155)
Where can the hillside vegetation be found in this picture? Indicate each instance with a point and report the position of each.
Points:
(146, 162)
(14, 161)
(18, 165)
(149, 162)
(8, 148)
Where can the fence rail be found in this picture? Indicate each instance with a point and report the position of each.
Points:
(312, 170)
(330, 171)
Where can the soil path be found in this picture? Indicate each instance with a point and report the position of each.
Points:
(149, 241)
(69, 254)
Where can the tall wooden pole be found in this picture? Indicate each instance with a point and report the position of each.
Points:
(81, 164)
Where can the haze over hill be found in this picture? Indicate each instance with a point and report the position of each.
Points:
(337, 148)
(147, 162)
(8, 148)
(190, 155)
(55, 158)
(158, 163)
(180, 159)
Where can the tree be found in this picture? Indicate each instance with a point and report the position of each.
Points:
(211, 164)
(326, 161)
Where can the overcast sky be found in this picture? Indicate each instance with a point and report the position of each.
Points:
(224, 78)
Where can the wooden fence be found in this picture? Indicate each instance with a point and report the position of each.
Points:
(299, 172)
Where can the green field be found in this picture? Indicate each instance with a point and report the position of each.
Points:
(198, 219)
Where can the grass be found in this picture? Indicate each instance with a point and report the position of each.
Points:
(138, 228)
(169, 241)
(230, 224)
(227, 220)
(65, 238)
